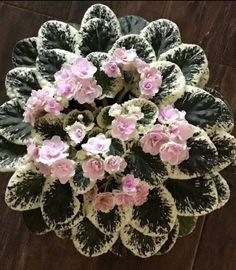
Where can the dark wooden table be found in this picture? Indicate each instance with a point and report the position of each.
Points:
(212, 246)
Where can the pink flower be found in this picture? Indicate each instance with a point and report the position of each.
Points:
(29, 116)
(32, 150)
(153, 140)
(174, 153)
(153, 74)
(93, 168)
(44, 169)
(169, 114)
(130, 183)
(126, 58)
(83, 69)
(111, 69)
(104, 202)
(66, 88)
(88, 92)
(124, 127)
(97, 145)
(114, 164)
(180, 131)
(148, 87)
(141, 65)
(142, 191)
(63, 169)
(77, 132)
(91, 193)
(122, 198)
(53, 107)
(52, 150)
(64, 73)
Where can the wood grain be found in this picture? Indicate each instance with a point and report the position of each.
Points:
(212, 246)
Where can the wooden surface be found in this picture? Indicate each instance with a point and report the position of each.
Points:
(212, 246)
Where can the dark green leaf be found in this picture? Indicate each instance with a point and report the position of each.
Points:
(132, 24)
(186, 225)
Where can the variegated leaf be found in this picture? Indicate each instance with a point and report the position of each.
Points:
(203, 157)
(133, 41)
(25, 52)
(91, 242)
(193, 197)
(104, 120)
(58, 204)
(20, 82)
(149, 110)
(222, 190)
(145, 166)
(96, 35)
(24, 189)
(141, 245)
(173, 83)
(226, 148)
(172, 237)
(162, 34)
(12, 156)
(157, 215)
(64, 234)
(204, 110)
(132, 24)
(117, 147)
(51, 61)
(229, 174)
(111, 222)
(79, 183)
(48, 126)
(34, 221)
(120, 250)
(56, 35)
(12, 126)
(186, 225)
(191, 59)
(110, 86)
(87, 118)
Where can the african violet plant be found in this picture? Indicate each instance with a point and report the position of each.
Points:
(115, 142)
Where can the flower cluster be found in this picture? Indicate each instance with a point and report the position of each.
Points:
(169, 139)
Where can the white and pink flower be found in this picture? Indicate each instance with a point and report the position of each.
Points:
(111, 68)
(97, 145)
(124, 127)
(83, 69)
(104, 202)
(180, 131)
(77, 132)
(63, 169)
(115, 110)
(93, 168)
(170, 114)
(114, 164)
(130, 183)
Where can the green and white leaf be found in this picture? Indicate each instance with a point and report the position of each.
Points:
(133, 41)
(50, 61)
(12, 126)
(162, 34)
(79, 183)
(111, 222)
(91, 242)
(25, 52)
(173, 83)
(186, 225)
(20, 82)
(191, 59)
(96, 35)
(12, 156)
(170, 242)
(203, 157)
(225, 144)
(104, 120)
(34, 221)
(110, 86)
(64, 234)
(48, 126)
(222, 189)
(149, 110)
(132, 24)
(58, 204)
(24, 189)
(141, 245)
(56, 35)
(145, 166)
(205, 111)
(117, 147)
(120, 250)
(193, 197)
(157, 215)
